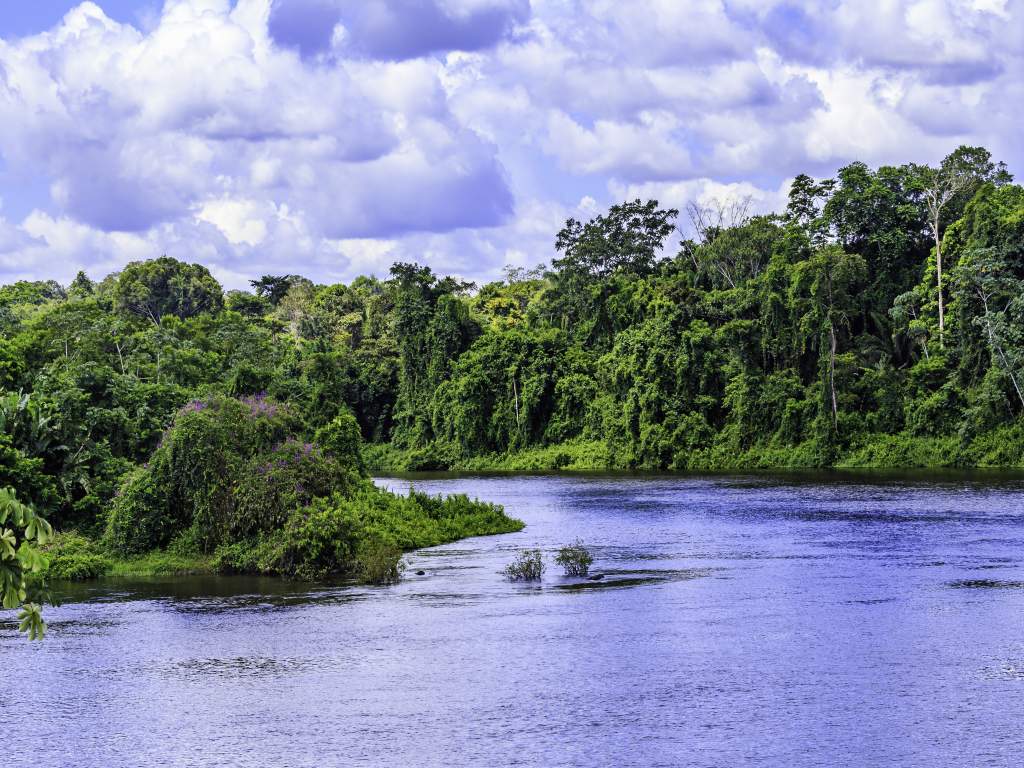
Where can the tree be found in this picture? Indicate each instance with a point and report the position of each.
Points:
(165, 286)
(273, 288)
(824, 291)
(22, 532)
(627, 239)
(419, 296)
(951, 184)
(807, 198)
(988, 275)
(247, 304)
(732, 255)
(81, 286)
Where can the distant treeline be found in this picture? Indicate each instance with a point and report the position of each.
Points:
(877, 321)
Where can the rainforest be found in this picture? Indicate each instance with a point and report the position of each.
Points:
(162, 424)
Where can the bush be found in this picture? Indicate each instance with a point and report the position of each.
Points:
(76, 558)
(343, 440)
(380, 562)
(191, 477)
(276, 483)
(575, 559)
(230, 479)
(319, 541)
(528, 566)
(141, 518)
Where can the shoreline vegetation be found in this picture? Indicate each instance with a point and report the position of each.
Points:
(876, 452)
(876, 322)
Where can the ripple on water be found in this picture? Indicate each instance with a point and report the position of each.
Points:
(752, 622)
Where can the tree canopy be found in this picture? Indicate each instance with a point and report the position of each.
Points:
(166, 286)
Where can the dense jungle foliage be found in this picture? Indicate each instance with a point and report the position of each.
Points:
(877, 321)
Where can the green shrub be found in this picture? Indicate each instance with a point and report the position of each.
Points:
(903, 450)
(528, 566)
(575, 559)
(141, 517)
(343, 440)
(361, 534)
(380, 562)
(230, 479)
(261, 554)
(191, 477)
(318, 541)
(76, 558)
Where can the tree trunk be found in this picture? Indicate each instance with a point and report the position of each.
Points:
(938, 265)
(515, 391)
(832, 373)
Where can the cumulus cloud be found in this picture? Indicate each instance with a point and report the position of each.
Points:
(205, 115)
(331, 137)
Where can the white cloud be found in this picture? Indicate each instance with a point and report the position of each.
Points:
(137, 131)
(331, 137)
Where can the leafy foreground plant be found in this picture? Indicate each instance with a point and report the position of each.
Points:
(528, 566)
(575, 559)
(22, 532)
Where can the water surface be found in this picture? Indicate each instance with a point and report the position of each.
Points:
(740, 621)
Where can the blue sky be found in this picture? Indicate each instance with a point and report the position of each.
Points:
(21, 18)
(333, 137)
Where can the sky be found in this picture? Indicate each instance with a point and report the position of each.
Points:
(331, 138)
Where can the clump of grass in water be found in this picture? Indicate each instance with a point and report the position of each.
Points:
(575, 559)
(380, 562)
(528, 566)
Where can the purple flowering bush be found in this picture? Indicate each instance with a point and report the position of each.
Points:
(190, 479)
(286, 478)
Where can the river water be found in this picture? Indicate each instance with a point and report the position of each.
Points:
(765, 621)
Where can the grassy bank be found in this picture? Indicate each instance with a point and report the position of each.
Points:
(1001, 448)
(572, 457)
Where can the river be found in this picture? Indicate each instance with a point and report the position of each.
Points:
(764, 621)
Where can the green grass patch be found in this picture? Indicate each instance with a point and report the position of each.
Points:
(904, 452)
(163, 563)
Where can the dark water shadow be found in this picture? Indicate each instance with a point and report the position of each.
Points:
(621, 579)
(985, 584)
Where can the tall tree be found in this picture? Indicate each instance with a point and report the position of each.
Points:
(949, 186)
(627, 239)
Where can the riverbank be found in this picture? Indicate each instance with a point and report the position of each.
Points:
(1002, 448)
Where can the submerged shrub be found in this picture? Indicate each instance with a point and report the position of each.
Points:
(575, 559)
(380, 562)
(528, 566)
